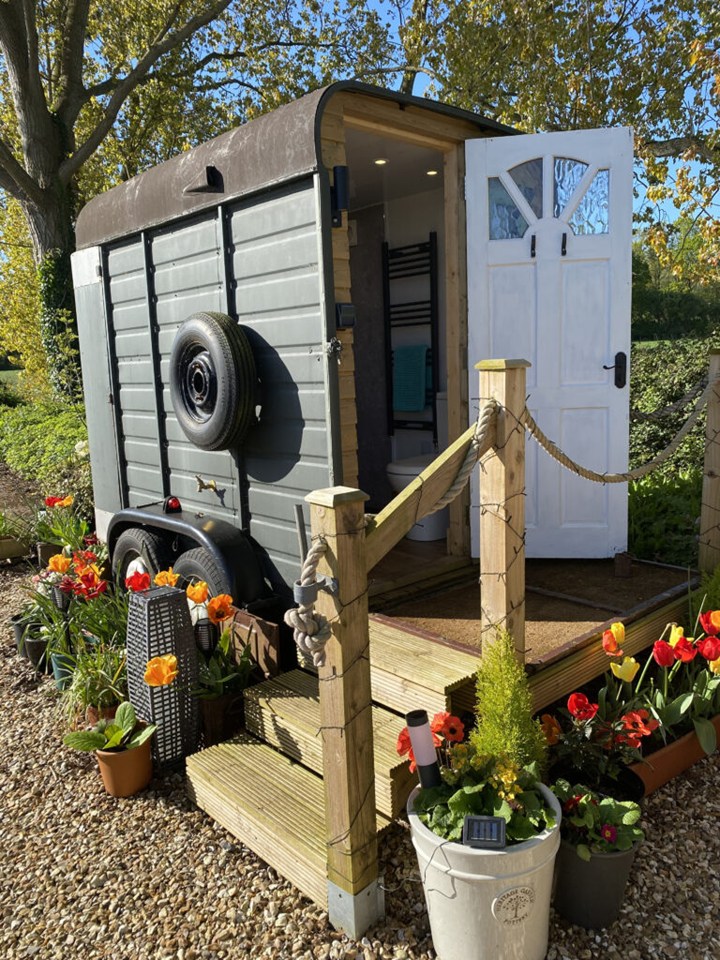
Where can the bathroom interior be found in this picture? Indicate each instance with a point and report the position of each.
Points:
(396, 235)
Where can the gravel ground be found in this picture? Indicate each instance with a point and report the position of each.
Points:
(87, 876)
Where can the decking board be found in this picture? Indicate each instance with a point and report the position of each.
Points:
(285, 712)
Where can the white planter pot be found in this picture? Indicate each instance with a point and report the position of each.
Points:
(487, 904)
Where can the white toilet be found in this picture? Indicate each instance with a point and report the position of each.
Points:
(402, 472)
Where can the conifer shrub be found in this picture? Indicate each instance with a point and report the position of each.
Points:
(505, 724)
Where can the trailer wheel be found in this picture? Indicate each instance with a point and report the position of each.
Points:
(212, 381)
(137, 544)
(197, 564)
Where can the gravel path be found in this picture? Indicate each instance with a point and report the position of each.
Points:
(84, 876)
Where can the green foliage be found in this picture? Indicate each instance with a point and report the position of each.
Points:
(664, 506)
(506, 727)
(58, 329)
(220, 672)
(663, 515)
(121, 733)
(706, 597)
(39, 442)
(484, 786)
(99, 678)
(596, 824)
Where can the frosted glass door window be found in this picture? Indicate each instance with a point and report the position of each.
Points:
(592, 214)
(506, 221)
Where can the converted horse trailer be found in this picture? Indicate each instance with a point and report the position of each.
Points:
(300, 303)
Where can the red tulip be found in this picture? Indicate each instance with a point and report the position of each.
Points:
(709, 647)
(580, 707)
(684, 650)
(663, 653)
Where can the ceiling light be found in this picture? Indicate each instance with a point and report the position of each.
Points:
(431, 173)
(380, 161)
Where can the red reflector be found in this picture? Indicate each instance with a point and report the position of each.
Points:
(172, 505)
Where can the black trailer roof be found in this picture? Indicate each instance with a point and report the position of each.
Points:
(273, 149)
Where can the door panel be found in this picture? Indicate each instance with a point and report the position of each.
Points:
(549, 270)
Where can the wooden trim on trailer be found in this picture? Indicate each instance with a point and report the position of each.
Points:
(410, 123)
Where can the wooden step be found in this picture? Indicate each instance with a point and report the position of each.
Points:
(273, 805)
(412, 672)
(285, 712)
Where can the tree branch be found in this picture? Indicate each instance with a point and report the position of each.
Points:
(14, 178)
(677, 146)
(169, 41)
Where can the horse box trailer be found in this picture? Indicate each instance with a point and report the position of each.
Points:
(296, 305)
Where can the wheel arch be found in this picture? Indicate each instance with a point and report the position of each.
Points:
(230, 548)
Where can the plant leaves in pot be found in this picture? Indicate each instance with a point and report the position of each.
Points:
(490, 899)
(600, 837)
(122, 748)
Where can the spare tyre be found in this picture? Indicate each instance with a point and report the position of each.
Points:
(213, 381)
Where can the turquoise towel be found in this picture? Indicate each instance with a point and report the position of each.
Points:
(410, 377)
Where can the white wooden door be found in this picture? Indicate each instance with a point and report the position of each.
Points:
(549, 219)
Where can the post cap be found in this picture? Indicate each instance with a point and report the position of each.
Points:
(333, 496)
(502, 364)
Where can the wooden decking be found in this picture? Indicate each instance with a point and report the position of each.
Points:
(260, 782)
(270, 777)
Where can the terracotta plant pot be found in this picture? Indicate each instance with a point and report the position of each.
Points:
(93, 714)
(590, 893)
(125, 772)
(670, 761)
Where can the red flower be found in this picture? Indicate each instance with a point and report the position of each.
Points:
(54, 501)
(580, 707)
(138, 581)
(91, 540)
(608, 833)
(684, 650)
(710, 622)
(448, 727)
(611, 645)
(405, 747)
(709, 647)
(663, 653)
(571, 804)
(639, 723)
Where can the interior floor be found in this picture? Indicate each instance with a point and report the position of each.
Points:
(566, 600)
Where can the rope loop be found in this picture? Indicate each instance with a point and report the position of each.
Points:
(311, 630)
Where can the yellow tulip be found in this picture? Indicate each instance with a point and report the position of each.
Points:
(166, 578)
(618, 631)
(197, 592)
(626, 670)
(59, 563)
(714, 665)
(160, 671)
(676, 633)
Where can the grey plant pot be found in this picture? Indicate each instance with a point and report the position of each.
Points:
(589, 893)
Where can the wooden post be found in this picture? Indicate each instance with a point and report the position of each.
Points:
(338, 515)
(709, 551)
(502, 506)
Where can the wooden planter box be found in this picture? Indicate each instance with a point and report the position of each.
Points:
(11, 548)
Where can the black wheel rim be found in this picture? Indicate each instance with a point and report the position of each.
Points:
(198, 383)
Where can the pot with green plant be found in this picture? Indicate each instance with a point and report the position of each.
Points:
(122, 748)
(486, 834)
(222, 677)
(14, 536)
(599, 839)
(98, 685)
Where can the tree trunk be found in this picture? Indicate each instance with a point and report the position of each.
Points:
(53, 238)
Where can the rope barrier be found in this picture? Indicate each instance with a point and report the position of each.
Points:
(478, 445)
(562, 458)
(673, 407)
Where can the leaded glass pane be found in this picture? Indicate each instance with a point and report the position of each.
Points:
(592, 214)
(567, 175)
(529, 178)
(506, 221)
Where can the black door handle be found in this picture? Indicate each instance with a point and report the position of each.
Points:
(620, 368)
(532, 245)
(563, 246)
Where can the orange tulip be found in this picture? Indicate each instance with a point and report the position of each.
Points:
(160, 671)
(166, 578)
(59, 563)
(197, 592)
(67, 501)
(220, 608)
